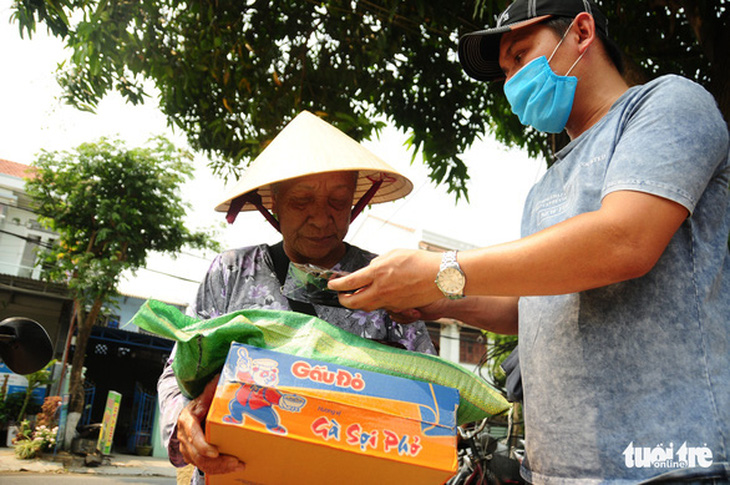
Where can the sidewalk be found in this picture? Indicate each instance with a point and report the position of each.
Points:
(116, 464)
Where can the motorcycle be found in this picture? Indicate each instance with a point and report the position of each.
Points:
(491, 451)
(25, 346)
(488, 454)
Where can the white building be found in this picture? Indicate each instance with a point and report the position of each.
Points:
(20, 232)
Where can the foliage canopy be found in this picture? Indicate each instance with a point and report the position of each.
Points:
(109, 206)
(231, 73)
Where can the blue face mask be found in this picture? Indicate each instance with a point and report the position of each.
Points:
(541, 98)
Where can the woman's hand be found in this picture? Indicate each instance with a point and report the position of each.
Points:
(431, 312)
(193, 446)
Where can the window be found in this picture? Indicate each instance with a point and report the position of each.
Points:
(111, 321)
(434, 331)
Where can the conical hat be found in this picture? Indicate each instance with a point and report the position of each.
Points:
(308, 145)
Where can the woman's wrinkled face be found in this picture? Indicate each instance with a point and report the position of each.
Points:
(314, 216)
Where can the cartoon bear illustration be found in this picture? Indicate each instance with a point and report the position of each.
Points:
(257, 399)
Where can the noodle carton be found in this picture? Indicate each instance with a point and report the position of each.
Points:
(294, 420)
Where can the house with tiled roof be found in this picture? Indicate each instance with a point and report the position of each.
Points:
(20, 232)
(123, 359)
(22, 293)
(15, 169)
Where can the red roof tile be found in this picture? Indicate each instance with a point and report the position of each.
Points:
(14, 169)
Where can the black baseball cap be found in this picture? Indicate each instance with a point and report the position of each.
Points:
(479, 51)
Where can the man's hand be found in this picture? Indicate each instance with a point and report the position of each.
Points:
(193, 446)
(396, 281)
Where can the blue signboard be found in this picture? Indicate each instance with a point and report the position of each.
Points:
(18, 383)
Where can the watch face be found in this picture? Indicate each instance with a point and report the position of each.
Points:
(451, 281)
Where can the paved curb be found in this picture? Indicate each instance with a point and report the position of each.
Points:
(115, 465)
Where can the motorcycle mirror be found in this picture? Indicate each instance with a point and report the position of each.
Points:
(24, 345)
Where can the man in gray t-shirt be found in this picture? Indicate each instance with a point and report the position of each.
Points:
(640, 364)
(620, 285)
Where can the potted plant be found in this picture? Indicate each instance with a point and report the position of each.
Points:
(31, 440)
(12, 405)
(143, 448)
(15, 406)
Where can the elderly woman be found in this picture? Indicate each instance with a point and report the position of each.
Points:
(310, 176)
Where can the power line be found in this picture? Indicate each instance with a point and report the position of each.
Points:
(47, 245)
(170, 275)
(37, 242)
(23, 208)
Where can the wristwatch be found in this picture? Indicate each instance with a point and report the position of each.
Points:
(450, 278)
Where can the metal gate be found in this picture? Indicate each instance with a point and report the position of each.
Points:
(143, 415)
(89, 395)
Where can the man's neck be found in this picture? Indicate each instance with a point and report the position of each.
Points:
(601, 96)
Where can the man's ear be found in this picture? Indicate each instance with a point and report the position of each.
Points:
(585, 27)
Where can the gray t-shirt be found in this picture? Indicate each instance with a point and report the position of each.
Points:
(632, 380)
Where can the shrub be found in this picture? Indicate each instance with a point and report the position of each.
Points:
(29, 443)
(49, 412)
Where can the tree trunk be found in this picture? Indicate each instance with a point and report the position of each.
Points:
(72, 420)
(76, 388)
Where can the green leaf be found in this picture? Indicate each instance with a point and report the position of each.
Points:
(358, 61)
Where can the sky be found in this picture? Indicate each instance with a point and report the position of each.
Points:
(33, 117)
